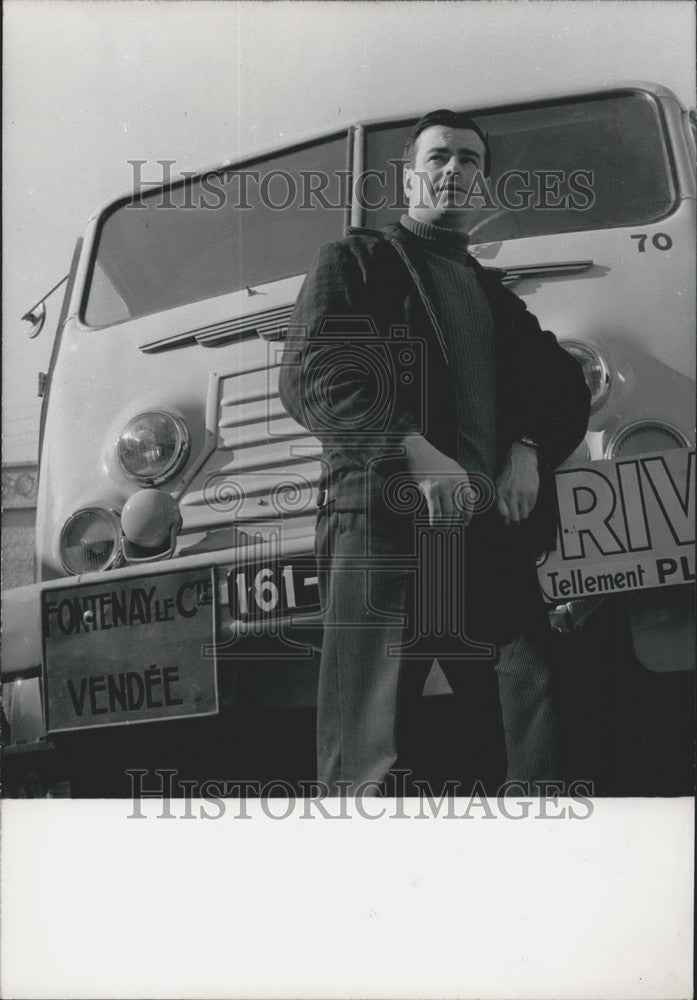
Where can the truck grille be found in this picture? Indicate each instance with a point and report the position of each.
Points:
(264, 468)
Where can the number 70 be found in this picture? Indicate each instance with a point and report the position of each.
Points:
(661, 241)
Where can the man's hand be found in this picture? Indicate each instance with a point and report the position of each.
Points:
(517, 486)
(442, 481)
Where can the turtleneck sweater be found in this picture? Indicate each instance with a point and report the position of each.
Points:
(465, 320)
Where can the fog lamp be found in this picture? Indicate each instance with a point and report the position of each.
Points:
(645, 436)
(89, 541)
(150, 522)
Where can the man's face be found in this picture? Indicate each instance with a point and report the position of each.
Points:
(445, 162)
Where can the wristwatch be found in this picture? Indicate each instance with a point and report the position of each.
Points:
(528, 442)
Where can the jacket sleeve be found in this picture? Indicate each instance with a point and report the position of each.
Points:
(552, 400)
(337, 373)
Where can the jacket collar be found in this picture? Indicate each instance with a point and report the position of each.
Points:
(397, 234)
(403, 242)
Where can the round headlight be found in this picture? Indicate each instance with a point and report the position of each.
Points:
(645, 436)
(153, 447)
(90, 540)
(595, 370)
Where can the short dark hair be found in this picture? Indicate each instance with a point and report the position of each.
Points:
(456, 119)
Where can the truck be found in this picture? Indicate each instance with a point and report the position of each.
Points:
(175, 613)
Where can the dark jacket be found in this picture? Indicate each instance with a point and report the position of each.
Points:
(347, 379)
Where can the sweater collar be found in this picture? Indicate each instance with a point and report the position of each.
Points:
(446, 238)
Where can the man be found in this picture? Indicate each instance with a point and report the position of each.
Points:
(475, 432)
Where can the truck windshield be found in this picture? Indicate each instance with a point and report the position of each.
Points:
(602, 160)
(217, 232)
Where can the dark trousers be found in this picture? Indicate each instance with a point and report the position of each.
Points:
(394, 596)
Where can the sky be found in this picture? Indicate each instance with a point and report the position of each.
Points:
(92, 84)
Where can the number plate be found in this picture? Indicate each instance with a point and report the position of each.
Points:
(124, 651)
(274, 591)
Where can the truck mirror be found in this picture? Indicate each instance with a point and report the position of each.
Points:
(37, 318)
